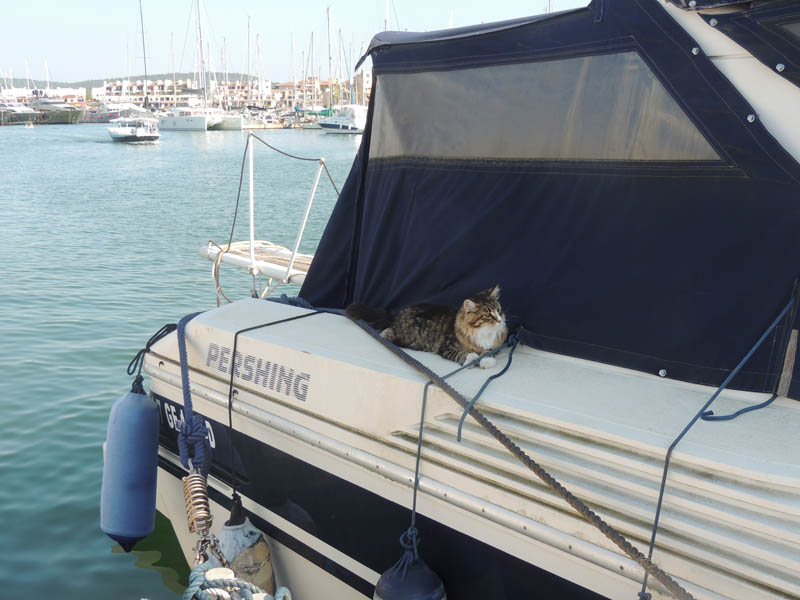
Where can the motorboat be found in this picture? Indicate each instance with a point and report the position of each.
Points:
(55, 112)
(350, 118)
(132, 130)
(628, 173)
(106, 112)
(15, 113)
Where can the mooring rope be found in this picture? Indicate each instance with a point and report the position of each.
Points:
(584, 511)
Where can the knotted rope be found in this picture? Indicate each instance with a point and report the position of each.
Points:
(201, 588)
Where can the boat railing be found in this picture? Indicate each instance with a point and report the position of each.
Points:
(279, 264)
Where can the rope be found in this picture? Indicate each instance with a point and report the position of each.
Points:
(135, 366)
(512, 341)
(584, 511)
(200, 588)
(193, 441)
(319, 160)
(298, 301)
(708, 417)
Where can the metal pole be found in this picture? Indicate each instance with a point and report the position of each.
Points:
(305, 220)
(250, 149)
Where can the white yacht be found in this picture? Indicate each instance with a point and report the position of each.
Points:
(350, 118)
(191, 119)
(629, 173)
(134, 130)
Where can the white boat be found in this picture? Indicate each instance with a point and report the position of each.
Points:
(350, 118)
(230, 121)
(106, 112)
(134, 130)
(191, 119)
(629, 173)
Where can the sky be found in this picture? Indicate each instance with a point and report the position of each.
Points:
(94, 39)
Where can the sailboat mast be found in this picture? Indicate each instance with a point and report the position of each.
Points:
(174, 83)
(313, 83)
(294, 76)
(144, 53)
(202, 59)
(330, 58)
(249, 83)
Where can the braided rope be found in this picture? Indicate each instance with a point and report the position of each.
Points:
(201, 588)
(584, 511)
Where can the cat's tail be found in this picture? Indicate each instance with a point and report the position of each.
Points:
(376, 317)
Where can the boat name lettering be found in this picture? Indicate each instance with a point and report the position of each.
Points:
(265, 373)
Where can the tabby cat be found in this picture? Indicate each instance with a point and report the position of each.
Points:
(461, 334)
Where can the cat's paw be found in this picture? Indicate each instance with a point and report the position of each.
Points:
(388, 334)
(469, 358)
(487, 362)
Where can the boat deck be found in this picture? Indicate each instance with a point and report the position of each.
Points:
(271, 260)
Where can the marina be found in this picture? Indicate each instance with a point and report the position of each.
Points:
(117, 206)
(456, 354)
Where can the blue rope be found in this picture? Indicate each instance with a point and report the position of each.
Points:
(643, 593)
(710, 416)
(193, 441)
(511, 341)
(409, 540)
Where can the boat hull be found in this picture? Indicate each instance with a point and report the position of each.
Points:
(135, 138)
(229, 123)
(342, 532)
(340, 128)
(59, 117)
(18, 118)
(325, 437)
(188, 123)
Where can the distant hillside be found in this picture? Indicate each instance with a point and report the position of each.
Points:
(90, 83)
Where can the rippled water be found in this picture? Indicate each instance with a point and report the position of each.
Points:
(99, 249)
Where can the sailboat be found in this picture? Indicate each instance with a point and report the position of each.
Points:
(136, 129)
(184, 118)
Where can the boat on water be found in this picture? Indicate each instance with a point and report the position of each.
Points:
(191, 119)
(15, 113)
(133, 130)
(109, 111)
(628, 173)
(350, 118)
(230, 121)
(55, 112)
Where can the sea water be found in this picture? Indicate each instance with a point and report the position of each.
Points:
(100, 248)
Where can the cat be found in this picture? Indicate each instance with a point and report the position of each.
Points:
(460, 334)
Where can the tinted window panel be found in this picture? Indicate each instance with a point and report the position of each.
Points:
(608, 107)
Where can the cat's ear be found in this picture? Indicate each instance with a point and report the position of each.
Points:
(495, 291)
(469, 305)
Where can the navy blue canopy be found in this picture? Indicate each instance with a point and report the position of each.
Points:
(621, 191)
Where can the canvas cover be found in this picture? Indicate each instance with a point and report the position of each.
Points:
(604, 175)
(770, 31)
